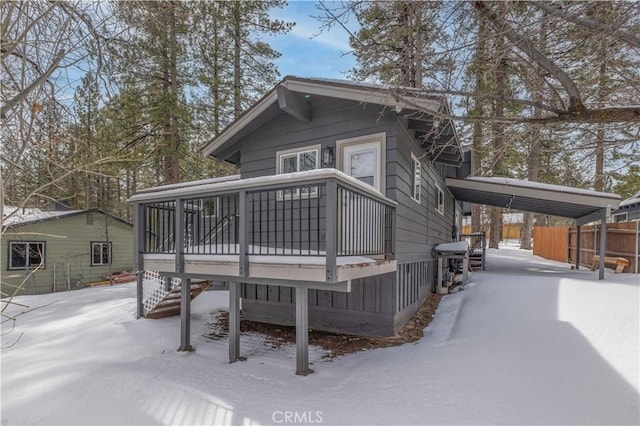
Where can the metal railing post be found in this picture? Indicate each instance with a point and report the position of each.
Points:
(243, 237)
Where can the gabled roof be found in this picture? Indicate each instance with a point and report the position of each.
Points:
(439, 140)
(29, 216)
(556, 200)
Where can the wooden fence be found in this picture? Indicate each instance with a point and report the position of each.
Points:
(551, 242)
(559, 243)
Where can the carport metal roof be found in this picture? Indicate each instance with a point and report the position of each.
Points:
(580, 204)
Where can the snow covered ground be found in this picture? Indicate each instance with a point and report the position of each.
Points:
(527, 342)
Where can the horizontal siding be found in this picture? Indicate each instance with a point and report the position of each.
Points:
(68, 247)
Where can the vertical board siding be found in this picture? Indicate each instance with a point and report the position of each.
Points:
(411, 277)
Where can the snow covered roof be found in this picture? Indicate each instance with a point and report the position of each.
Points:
(20, 216)
(14, 216)
(555, 200)
(631, 202)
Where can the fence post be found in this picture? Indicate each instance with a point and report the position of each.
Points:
(577, 247)
(636, 249)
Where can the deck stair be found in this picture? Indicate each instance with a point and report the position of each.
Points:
(475, 261)
(160, 302)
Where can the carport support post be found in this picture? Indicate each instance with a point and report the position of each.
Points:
(302, 332)
(603, 245)
(234, 322)
(577, 247)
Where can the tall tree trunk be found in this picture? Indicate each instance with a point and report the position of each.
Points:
(497, 130)
(237, 71)
(533, 164)
(480, 62)
(598, 184)
(170, 120)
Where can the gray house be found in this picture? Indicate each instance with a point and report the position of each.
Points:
(48, 251)
(628, 210)
(333, 218)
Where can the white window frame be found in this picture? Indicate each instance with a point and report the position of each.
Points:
(624, 215)
(28, 264)
(439, 199)
(416, 178)
(101, 244)
(285, 195)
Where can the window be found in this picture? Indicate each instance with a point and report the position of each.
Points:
(100, 254)
(416, 175)
(439, 200)
(26, 254)
(298, 160)
(620, 217)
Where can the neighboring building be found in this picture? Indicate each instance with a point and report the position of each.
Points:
(390, 217)
(629, 210)
(50, 251)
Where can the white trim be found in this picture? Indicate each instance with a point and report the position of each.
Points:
(439, 197)
(374, 138)
(416, 178)
(101, 243)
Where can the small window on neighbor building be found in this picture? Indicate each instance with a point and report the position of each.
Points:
(439, 200)
(620, 217)
(100, 253)
(416, 175)
(26, 254)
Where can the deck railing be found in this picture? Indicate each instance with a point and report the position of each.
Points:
(318, 213)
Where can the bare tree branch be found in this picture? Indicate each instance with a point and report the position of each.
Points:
(10, 104)
(589, 23)
(575, 101)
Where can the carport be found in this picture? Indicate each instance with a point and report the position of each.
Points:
(584, 206)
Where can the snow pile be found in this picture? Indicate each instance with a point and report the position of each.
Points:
(527, 342)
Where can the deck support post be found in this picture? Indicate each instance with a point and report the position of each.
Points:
(577, 247)
(603, 245)
(234, 322)
(302, 332)
(185, 316)
(139, 227)
(185, 284)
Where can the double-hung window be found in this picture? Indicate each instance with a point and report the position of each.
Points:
(26, 254)
(298, 160)
(100, 253)
(416, 177)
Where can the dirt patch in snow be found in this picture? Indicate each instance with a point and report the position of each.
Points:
(334, 344)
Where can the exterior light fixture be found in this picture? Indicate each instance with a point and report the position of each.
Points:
(327, 156)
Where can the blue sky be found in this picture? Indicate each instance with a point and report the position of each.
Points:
(325, 55)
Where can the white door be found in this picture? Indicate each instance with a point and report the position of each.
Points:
(362, 161)
(361, 220)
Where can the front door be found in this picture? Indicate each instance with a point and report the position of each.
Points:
(361, 221)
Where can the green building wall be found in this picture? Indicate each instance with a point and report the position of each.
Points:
(68, 252)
